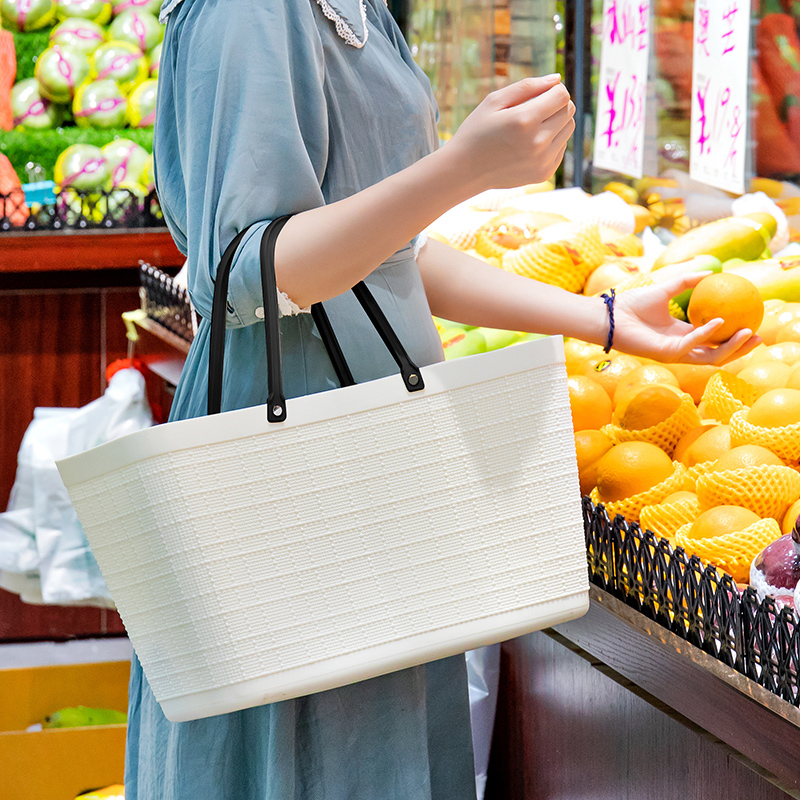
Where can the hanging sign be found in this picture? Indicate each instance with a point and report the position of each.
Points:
(622, 92)
(720, 96)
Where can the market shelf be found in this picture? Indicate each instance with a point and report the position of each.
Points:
(87, 250)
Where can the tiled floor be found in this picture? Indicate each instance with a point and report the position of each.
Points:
(81, 651)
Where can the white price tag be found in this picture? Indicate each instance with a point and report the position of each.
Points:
(622, 92)
(720, 97)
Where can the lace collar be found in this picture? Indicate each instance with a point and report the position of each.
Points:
(348, 16)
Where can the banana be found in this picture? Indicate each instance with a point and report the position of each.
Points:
(81, 716)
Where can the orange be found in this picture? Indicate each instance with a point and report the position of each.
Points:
(794, 378)
(790, 517)
(721, 520)
(590, 405)
(747, 455)
(608, 370)
(590, 447)
(766, 375)
(787, 352)
(676, 497)
(712, 442)
(631, 468)
(789, 332)
(649, 406)
(692, 379)
(770, 324)
(730, 297)
(776, 409)
(612, 273)
(757, 355)
(646, 374)
(577, 351)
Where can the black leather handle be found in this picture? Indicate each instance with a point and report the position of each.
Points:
(276, 402)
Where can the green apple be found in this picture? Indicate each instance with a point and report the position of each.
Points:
(458, 343)
(98, 11)
(142, 104)
(30, 109)
(27, 15)
(122, 62)
(100, 104)
(82, 167)
(496, 338)
(82, 34)
(60, 70)
(127, 162)
(137, 27)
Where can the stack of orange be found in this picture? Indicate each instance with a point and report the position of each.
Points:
(706, 457)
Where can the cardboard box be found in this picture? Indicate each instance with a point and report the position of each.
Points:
(60, 764)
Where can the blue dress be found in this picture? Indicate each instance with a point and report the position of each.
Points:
(265, 109)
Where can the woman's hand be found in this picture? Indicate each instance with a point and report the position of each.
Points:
(517, 134)
(644, 327)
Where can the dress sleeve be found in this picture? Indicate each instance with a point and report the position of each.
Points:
(241, 135)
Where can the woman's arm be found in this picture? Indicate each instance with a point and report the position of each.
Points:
(464, 289)
(517, 135)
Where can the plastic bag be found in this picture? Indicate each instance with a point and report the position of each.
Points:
(40, 533)
(483, 674)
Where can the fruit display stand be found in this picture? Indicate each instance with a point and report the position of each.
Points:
(674, 685)
(60, 763)
(61, 298)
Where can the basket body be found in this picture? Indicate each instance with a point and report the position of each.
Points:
(373, 530)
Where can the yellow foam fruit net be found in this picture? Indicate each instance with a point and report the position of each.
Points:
(725, 394)
(643, 282)
(631, 507)
(664, 519)
(666, 434)
(732, 552)
(767, 490)
(549, 263)
(463, 239)
(582, 242)
(621, 244)
(487, 246)
(784, 441)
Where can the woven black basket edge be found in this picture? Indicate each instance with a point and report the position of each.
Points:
(694, 601)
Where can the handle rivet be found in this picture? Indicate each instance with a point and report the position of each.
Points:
(413, 379)
(277, 410)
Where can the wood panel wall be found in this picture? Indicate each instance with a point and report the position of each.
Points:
(57, 334)
(570, 729)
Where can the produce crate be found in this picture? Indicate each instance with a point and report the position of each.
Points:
(695, 602)
(59, 764)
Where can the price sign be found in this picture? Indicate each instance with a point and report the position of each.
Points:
(720, 93)
(622, 93)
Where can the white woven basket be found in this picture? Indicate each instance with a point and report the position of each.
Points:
(373, 530)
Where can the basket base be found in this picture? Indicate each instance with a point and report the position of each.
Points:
(373, 661)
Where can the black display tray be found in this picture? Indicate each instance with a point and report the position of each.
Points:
(694, 601)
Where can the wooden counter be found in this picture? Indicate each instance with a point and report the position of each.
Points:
(615, 706)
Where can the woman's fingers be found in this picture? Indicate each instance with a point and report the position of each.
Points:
(676, 284)
(524, 90)
(541, 108)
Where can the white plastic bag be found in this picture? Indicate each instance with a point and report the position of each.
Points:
(483, 675)
(40, 533)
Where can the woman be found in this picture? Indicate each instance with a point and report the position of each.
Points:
(316, 108)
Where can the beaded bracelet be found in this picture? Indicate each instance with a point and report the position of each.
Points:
(609, 301)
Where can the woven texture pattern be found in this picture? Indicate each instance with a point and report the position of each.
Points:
(767, 490)
(726, 394)
(784, 442)
(666, 434)
(621, 245)
(550, 263)
(664, 519)
(733, 552)
(631, 507)
(241, 559)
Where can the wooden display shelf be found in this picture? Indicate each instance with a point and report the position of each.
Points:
(57, 251)
(616, 696)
